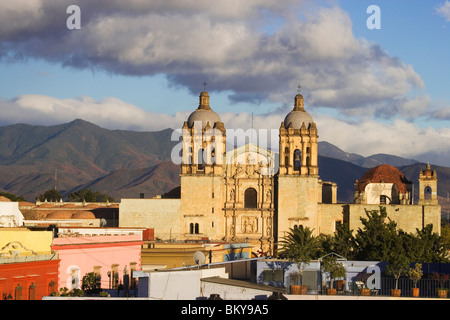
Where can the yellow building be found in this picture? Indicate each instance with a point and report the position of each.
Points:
(250, 194)
(166, 255)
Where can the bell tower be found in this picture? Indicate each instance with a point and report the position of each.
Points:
(202, 169)
(428, 186)
(298, 142)
(299, 189)
(204, 140)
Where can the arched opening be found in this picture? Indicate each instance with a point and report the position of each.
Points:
(200, 159)
(384, 199)
(18, 292)
(213, 156)
(427, 193)
(250, 198)
(286, 156)
(196, 228)
(308, 161)
(32, 291)
(297, 159)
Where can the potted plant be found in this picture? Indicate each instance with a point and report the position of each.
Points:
(397, 265)
(300, 246)
(336, 270)
(415, 274)
(442, 278)
(296, 287)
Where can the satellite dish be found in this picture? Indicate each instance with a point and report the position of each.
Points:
(199, 257)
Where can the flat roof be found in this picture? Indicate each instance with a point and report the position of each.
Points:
(243, 284)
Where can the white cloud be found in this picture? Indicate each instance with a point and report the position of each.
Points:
(366, 137)
(221, 43)
(444, 10)
(111, 113)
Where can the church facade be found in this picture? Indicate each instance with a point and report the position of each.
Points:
(251, 194)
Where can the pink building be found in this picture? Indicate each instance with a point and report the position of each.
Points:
(109, 256)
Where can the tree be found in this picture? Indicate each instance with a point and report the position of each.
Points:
(398, 262)
(433, 247)
(300, 246)
(89, 196)
(415, 274)
(12, 196)
(90, 284)
(342, 242)
(335, 268)
(51, 195)
(377, 238)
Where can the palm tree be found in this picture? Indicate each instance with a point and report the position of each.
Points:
(300, 246)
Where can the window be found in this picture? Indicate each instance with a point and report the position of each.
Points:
(286, 156)
(51, 287)
(194, 228)
(427, 193)
(273, 275)
(18, 292)
(200, 160)
(383, 199)
(297, 159)
(250, 198)
(337, 223)
(32, 292)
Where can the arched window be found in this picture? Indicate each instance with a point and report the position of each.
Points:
(286, 156)
(250, 198)
(297, 159)
(427, 193)
(32, 291)
(51, 287)
(18, 292)
(308, 161)
(200, 160)
(196, 229)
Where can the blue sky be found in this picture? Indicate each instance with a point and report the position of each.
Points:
(140, 65)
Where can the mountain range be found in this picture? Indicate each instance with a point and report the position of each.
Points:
(126, 164)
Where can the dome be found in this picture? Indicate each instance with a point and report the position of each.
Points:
(205, 116)
(83, 215)
(203, 113)
(298, 115)
(384, 174)
(297, 118)
(60, 215)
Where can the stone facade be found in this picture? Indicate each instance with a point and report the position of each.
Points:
(243, 195)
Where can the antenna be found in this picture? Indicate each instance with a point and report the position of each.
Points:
(199, 258)
(55, 176)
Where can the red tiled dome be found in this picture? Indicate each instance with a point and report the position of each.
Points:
(384, 174)
(60, 215)
(83, 215)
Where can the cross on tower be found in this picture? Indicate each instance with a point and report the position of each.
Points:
(298, 88)
(204, 86)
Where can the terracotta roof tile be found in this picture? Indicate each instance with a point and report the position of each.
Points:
(386, 174)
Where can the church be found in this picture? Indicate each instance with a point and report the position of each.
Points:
(252, 194)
